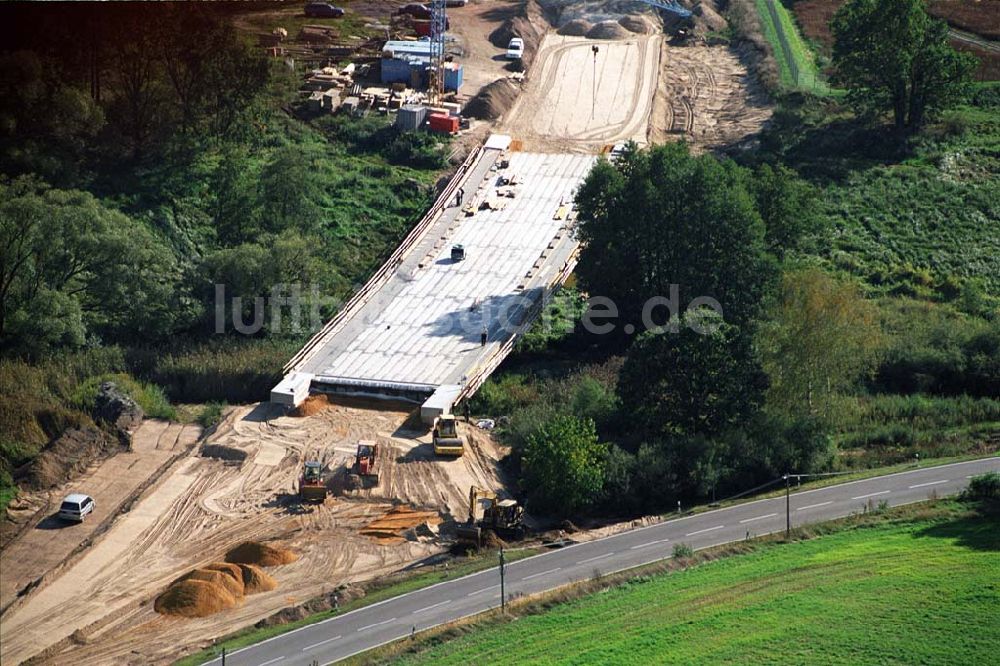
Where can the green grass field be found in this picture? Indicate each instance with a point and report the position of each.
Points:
(798, 57)
(922, 591)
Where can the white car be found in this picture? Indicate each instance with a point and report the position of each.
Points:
(76, 506)
(515, 50)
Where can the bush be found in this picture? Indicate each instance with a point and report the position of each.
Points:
(150, 397)
(563, 466)
(985, 487)
(683, 550)
(211, 414)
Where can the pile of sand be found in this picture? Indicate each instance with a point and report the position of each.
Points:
(212, 588)
(636, 24)
(256, 579)
(194, 598)
(493, 100)
(608, 30)
(390, 527)
(224, 579)
(576, 28)
(261, 554)
(312, 405)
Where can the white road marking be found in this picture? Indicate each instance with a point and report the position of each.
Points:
(750, 520)
(377, 624)
(598, 557)
(881, 492)
(542, 573)
(427, 608)
(485, 589)
(929, 483)
(329, 640)
(813, 506)
(649, 543)
(272, 661)
(717, 527)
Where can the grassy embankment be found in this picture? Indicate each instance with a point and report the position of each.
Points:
(796, 62)
(914, 585)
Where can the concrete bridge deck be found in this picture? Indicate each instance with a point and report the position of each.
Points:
(416, 326)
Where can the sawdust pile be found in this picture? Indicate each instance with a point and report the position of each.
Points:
(608, 30)
(493, 100)
(390, 527)
(576, 28)
(314, 404)
(212, 588)
(636, 24)
(261, 554)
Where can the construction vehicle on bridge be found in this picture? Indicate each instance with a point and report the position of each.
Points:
(445, 437)
(505, 518)
(312, 485)
(364, 471)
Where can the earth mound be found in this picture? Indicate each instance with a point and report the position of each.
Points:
(314, 404)
(194, 598)
(256, 579)
(493, 100)
(608, 30)
(576, 28)
(234, 586)
(261, 554)
(636, 24)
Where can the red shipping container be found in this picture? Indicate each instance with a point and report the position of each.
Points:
(442, 122)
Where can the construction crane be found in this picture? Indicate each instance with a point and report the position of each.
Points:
(671, 6)
(439, 23)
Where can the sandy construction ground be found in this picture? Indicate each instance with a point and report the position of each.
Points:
(113, 482)
(558, 110)
(98, 608)
(706, 96)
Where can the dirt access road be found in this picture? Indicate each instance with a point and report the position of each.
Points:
(98, 608)
(46, 544)
(706, 96)
(558, 110)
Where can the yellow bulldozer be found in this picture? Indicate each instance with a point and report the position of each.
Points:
(312, 485)
(447, 441)
(505, 518)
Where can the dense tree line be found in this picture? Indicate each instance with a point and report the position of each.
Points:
(715, 398)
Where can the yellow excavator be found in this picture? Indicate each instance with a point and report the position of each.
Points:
(505, 518)
(447, 441)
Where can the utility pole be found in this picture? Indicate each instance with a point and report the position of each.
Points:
(788, 506)
(223, 656)
(503, 595)
(593, 94)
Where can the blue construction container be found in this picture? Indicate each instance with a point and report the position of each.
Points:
(452, 76)
(395, 70)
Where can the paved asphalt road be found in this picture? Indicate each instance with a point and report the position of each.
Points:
(380, 623)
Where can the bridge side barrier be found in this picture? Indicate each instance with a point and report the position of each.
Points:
(386, 271)
(477, 379)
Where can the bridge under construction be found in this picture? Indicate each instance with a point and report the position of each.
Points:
(447, 307)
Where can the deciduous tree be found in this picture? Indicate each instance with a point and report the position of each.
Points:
(894, 57)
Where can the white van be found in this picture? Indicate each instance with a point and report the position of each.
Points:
(515, 50)
(75, 507)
